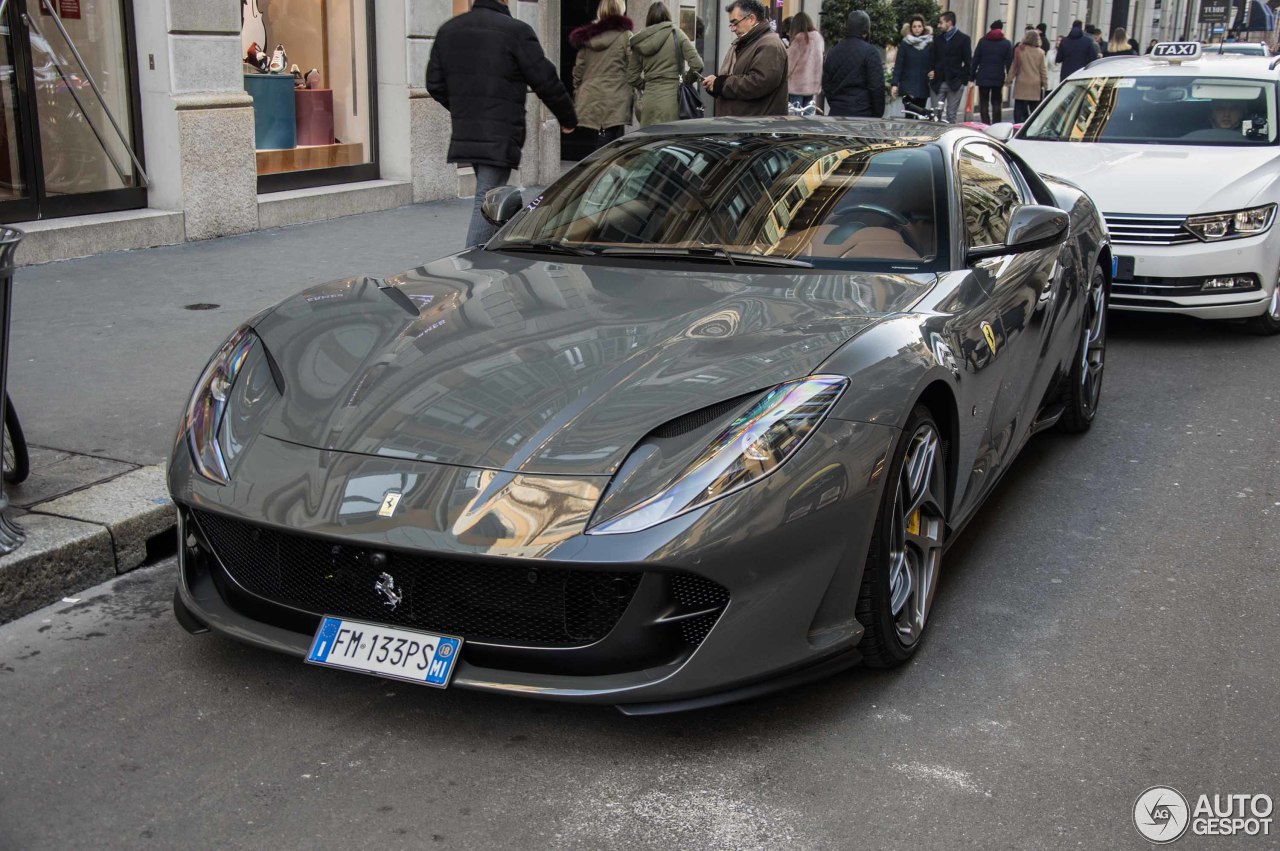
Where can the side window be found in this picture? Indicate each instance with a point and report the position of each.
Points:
(988, 194)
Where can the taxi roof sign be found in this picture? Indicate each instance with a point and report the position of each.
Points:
(1176, 52)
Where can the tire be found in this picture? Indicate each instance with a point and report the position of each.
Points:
(1083, 389)
(903, 566)
(17, 460)
(1268, 324)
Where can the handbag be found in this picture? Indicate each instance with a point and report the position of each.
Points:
(688, 102)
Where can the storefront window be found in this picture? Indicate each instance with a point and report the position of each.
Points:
(307, 67)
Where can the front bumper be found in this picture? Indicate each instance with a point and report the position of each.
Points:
(788, 552)
(1161, 274)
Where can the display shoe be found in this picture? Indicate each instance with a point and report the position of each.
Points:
(298, 82)
(313, 79)
(255, 57)
(279, 60)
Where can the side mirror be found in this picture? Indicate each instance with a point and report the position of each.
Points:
(501, 204)
(1002, 131)
(1031, 227)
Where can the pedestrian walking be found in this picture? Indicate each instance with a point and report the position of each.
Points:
(602, 95)
(804, 61)
(657, 54)
(752, 79)
(911, 67)
(1119, 44)
(481, 64)
(1043, 29)
(992, 59)
(951, 64)
(1029, 76)
(853, 72)
(1076, 50)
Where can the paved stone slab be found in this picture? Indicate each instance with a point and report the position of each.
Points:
(60, 557)
(55, 473)
(133, 507)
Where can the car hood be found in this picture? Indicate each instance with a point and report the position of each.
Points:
(492, 361)
(1158, 179)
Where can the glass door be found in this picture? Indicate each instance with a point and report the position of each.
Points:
(70, 115)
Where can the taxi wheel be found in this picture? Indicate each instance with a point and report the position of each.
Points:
(905, 555)
(1268, 323)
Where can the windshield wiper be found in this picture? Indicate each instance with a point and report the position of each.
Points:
(708, 252)
(546, 247)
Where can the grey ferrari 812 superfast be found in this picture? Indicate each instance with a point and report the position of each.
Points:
(699, 422)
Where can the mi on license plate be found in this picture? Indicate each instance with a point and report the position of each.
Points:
(385, 651)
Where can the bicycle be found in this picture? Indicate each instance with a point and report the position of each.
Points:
(17, 458)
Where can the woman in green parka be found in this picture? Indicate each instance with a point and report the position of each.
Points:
(655, 66)
(602, 94)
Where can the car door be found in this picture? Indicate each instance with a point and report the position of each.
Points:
(1010, 330)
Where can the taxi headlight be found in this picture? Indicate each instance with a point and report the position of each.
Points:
(755, 444)
(202, 423)
(1232, 225)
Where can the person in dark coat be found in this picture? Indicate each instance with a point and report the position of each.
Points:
(481, 63)
(951, 63)
(752, 79)
(853, 72)
(992, 59)
(1043, 29)
(1076, 50)
(911, 66)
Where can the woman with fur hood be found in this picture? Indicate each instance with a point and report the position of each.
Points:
(658, 52)
(911, 66)
(602, 95)
(804, 61)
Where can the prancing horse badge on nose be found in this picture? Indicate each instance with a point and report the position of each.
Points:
(386, 586)
(389, 503)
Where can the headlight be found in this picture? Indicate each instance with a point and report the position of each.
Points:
(208, 404)
(749, 449)
(1219, 226)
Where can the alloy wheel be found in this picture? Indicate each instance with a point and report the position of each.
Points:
(1093, 345)
(915, 552)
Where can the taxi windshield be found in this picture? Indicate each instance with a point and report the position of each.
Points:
(1159, 110)
(754, 199)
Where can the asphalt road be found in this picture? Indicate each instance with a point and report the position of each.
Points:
(1109, 623)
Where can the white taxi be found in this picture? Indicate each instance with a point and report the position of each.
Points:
(1181, 152)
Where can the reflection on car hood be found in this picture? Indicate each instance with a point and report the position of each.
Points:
(543, 367)
(1159, 179)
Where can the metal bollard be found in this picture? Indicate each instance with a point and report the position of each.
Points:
(11, 534)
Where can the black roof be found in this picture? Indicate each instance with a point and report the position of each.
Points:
(867, 128)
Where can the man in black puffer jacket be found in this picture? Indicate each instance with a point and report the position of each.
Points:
(1076, 50)
(481, 63)
(853, 72)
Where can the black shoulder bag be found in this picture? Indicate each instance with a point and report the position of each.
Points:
(688, 103)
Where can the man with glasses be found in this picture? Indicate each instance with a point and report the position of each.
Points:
(752, 79)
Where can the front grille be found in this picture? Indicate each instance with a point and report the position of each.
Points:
(697, 594)
(527, 604)
(1172, 287)
(1136, 229)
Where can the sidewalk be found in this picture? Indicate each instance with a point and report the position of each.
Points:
(104, 351)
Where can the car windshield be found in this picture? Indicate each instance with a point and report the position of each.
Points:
(747, 199)
(1159, 110)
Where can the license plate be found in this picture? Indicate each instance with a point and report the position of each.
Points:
(384, 651)
(1121, 268)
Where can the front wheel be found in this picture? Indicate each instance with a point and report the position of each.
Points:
(905, 555)
(1084, 385)
(1268, 323)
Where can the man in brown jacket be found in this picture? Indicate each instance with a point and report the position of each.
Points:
(753, 76)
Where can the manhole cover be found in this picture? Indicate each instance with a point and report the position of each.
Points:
(202, 306)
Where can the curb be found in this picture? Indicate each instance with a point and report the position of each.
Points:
(87, 537)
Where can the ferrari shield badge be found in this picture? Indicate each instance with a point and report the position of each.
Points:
(389, 503)
(989, 335)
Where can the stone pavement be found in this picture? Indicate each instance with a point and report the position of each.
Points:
(103, 353)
